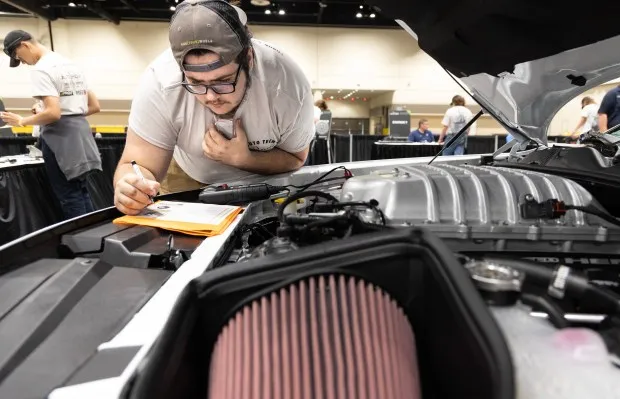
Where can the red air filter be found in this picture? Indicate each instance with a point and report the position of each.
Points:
(321, 338)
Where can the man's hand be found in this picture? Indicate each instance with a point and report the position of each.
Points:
(233, 152)
(12, 119)
(131, 193)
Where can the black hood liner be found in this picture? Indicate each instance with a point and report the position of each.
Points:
(491, 36)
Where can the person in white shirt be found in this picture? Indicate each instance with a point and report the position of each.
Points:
(216, 107)
(589, 117)
(69, 149)
(455, 119)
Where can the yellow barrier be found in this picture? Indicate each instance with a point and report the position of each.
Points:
(103, 129)
(23, 129)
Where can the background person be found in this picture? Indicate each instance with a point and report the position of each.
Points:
(609, 112)
(422, 134)
(455, 119)
(69, 149)
(589, 118)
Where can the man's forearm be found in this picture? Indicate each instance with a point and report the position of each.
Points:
(271, 162)
(42, 118)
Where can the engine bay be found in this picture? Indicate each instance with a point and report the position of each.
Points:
(519, 232)
(474, 209)
(540, 249)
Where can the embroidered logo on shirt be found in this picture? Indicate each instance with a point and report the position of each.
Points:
(262, 145)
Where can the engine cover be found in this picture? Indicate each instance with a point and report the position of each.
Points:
(477, 207)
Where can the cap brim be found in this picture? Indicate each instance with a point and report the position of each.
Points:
(14, 62)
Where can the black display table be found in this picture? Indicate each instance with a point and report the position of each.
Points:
(391, 150)
(27, 202)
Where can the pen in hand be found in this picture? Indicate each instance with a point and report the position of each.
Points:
(136, 169)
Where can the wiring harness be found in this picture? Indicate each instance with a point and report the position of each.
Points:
(554, 209)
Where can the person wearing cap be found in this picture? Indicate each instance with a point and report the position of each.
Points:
(69, 149)
(216, 107)
(455, 119)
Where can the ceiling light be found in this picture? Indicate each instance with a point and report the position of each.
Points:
(281, 12)
(267, 12)
(173, 8)
(71, 4)
(260, 3)
(372, 15)
(359, 15)
(361, 7)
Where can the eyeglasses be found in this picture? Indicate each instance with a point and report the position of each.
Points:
(218, 88)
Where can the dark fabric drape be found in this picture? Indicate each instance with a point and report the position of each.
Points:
(15, 145)
(340, 146)
(391, 151)
(27, 202)
(318, 152)
(100, 183)
(482, 144)
(362, 146)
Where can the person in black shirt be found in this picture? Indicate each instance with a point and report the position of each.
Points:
(609, 112)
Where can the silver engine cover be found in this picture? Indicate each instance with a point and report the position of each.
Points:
(477, 207)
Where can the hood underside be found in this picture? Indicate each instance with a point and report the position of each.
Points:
(522, 60)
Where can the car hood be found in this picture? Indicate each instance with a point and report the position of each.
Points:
(521, 60)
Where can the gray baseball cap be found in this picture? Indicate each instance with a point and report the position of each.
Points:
(213, 25)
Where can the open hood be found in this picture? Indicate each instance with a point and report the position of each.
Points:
(521, 60)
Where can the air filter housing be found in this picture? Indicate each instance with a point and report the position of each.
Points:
(334, 320)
